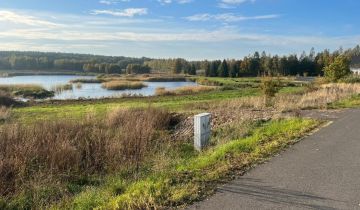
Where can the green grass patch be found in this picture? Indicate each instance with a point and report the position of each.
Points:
(352, 102)
(78, 109)
(242, 82)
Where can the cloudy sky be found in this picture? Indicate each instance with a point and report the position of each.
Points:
(192, 29)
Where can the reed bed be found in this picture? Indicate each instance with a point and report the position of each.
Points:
(78, 85)
(27, 91)
(123, 85)
(161, 91)
(143, 78)
(20, 87)
(87, 80)
(62, 87)
(165, 79)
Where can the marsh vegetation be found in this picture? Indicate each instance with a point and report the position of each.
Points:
(121, 153)
(123, 85)
(26, 91)
(61, 88)
(161, 91)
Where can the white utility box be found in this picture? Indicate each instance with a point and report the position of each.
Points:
(202, 130)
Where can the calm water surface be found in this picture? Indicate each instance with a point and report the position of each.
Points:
(88, 90)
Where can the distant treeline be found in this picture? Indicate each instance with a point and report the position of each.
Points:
(257, 64)
(65, 62)
(263, 64)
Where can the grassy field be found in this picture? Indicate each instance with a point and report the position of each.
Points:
(239, 82)
(77, 109)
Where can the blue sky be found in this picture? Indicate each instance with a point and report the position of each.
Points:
(192, 29)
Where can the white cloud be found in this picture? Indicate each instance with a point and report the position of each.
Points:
(34, 30)
(201, 36)
(129, 12)
(228, 17)
(111, 2)
(236, 1)
(17, 18)
(228, 4)
(172, 1)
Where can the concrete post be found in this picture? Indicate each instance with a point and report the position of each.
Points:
(202, 130)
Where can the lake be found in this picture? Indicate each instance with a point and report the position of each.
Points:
(90, 91)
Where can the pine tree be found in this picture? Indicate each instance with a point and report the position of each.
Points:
(223, 70)
(213, 68)
(207, 68)
(192, 69)
(177, 66)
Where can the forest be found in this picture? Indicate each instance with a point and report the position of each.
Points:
(257, 64)
(46, 61)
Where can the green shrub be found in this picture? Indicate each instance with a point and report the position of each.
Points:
(339, 69)
(269, 88)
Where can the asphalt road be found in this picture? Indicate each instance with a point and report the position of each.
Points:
(320, 172)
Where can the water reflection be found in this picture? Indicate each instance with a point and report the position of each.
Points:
(91, 91)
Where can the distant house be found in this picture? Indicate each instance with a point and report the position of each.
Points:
(355, 70)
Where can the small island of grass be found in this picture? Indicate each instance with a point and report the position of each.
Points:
(84, 80)
(123, 85)
(27, 91)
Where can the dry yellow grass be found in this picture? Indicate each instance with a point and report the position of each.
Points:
(4, 113)
(62, 87)
(320, 98)
(122, 85)
(183, 90)
(32, 155)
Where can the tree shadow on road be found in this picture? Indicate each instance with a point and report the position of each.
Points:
(254, 189)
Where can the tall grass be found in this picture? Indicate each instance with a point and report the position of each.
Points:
(165, 79)
(78, 85)
(315, 97)
(62, 87)
(160, 91)
(4, 113)
(194, 177)
(18, 87)
(209, 82)
(122, 85)
(57, 153)
(319, 97)
(87, 81)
